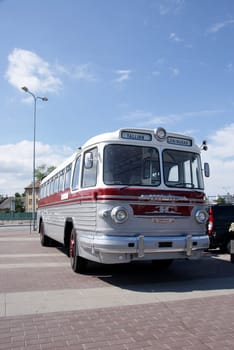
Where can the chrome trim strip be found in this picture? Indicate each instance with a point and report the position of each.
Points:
(141, 246)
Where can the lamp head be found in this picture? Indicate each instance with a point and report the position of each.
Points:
(25, 88)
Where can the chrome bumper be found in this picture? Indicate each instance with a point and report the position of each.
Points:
(140, 246)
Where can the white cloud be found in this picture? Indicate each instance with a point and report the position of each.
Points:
(26, 68)
(144, 118)
(220, 156)
(160, 61)
(123, 75)
(16, 163)
(147, 119)
(167, 7)
(230, 67)
(162, 66)
(83, 72)
(156, 73)
(203, 113)
(174, 37)
(175, 72)
(220, 25)
(224, 142)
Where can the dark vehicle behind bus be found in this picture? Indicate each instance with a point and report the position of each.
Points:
(220, 218)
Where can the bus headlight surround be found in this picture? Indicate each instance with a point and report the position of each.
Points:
(201, 216)
(160, 134)
(119, 215)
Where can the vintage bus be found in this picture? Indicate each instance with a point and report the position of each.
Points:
(128, 195)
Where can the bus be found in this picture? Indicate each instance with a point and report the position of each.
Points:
(128, 195)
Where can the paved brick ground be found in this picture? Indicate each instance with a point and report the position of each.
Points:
(185, 325)
(204, 323)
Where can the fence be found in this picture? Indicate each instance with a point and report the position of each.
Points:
(16, 219)
(15, 216)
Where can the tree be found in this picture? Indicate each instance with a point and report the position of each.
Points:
(42, 171)
(19, 203)
(220, 200)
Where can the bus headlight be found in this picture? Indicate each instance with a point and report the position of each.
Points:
(119, 215)
(201, 216)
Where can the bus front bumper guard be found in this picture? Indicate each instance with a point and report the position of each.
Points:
(141, 245)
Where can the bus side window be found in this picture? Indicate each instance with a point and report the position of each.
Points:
(51, 186)
(47, 188)
(42, 191)
(55, 186)
(67, 177)
(89, 178)
(76, 175)
(61, 181)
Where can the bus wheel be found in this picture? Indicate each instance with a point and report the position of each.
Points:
(78, 263)
(45, 241)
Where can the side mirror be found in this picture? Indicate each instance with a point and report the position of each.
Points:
(206, 169)
(88, 161)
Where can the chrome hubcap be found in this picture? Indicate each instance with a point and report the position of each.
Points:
(72, 245)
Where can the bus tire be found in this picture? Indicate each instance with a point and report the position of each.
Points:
(45, 240)
(78, 264)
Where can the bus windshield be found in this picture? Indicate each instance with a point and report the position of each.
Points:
(140, 166)
(182, 169)
(131, 165)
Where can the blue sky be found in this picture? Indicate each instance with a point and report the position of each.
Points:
(106, 64)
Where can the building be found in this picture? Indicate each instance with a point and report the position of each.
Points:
(7, 204)
(29, 199)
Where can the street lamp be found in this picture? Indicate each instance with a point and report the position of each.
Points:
(34, 153)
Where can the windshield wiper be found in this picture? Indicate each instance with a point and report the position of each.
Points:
(184, 185)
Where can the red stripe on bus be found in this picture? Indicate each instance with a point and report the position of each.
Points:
(125, 194)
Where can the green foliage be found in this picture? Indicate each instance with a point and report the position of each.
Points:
(42, 171)
(221, 200)
(19, 203)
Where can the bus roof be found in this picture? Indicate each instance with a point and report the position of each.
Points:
(141, 135)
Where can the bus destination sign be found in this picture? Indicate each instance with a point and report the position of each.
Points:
(137, 136)
(178, 141)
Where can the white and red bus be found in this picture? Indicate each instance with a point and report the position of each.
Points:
(128, 195)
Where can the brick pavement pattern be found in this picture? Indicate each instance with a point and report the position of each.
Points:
(200, 323)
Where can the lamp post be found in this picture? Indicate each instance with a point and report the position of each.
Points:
(35, 98)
